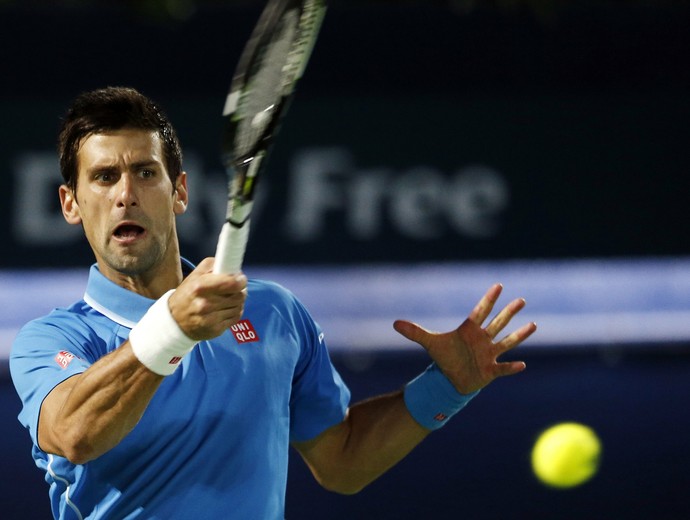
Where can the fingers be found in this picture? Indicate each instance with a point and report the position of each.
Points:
(509, 368)
(220, 280)
(503, 318)
(205, 266)
(481, 311)
(470, 353)
(205, 304)
(411, 331)
(513, 339)
(484, 307)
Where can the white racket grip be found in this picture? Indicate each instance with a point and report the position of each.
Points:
(232, 243)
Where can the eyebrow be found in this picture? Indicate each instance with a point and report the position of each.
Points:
(143, 164)
(147, 163)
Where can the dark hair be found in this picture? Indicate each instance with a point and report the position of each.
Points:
(114, 108)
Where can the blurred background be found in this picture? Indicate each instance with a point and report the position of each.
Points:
(433, 148)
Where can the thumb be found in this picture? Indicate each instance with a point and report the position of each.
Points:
(411, 331)
(206, 265)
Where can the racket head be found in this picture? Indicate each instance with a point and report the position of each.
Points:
(260, 92)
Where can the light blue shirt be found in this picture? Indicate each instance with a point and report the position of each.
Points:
(213, 442)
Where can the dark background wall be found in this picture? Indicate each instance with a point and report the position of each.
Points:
(442, 132)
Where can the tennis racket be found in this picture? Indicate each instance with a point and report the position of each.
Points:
(261, 90)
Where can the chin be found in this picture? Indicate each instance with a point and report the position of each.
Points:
(132, 265)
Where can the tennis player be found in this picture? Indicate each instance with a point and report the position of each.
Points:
(173, 392)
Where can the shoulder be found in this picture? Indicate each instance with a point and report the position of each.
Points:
(73, 328)
(72, 317)
(268, 297)
(270, 291)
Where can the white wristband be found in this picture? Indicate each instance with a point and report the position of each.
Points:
(158, 341)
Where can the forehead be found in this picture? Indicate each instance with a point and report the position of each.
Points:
(120, 147)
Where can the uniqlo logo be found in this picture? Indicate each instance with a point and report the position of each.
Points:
(244, 332)
(64, 358)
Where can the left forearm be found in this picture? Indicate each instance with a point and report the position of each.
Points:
(379, 432)
(375, 435)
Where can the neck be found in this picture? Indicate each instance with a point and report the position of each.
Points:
(151, 283)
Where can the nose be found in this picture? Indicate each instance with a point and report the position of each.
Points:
(125, 191)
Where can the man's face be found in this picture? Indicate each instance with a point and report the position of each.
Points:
(125, 201)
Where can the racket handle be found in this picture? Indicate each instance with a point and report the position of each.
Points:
(232, 243)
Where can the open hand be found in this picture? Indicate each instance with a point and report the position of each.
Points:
(468, 356)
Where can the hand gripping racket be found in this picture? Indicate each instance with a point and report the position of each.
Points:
(261, 90)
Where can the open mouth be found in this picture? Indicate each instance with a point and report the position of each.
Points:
(128, 231)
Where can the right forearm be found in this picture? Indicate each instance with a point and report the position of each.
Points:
(90, 413)
(97, 408)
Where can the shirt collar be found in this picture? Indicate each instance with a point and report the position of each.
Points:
(121, 305)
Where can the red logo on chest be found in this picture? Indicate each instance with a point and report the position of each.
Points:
(244, 332)
(64, 358)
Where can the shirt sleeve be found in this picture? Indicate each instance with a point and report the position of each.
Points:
(43, 355)
(319, 397)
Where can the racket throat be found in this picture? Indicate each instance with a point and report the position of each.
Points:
(242, 189)
(239, 213)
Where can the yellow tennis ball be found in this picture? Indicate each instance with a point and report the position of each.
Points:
(566, 455)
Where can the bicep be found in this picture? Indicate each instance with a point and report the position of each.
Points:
(323, 452)
(375, 435)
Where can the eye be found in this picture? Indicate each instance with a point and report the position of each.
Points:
(103, 177)
(147, 173)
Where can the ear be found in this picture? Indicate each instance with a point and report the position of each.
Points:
(181, 196)
(70, 207)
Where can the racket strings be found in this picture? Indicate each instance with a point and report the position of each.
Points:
(265, 86)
